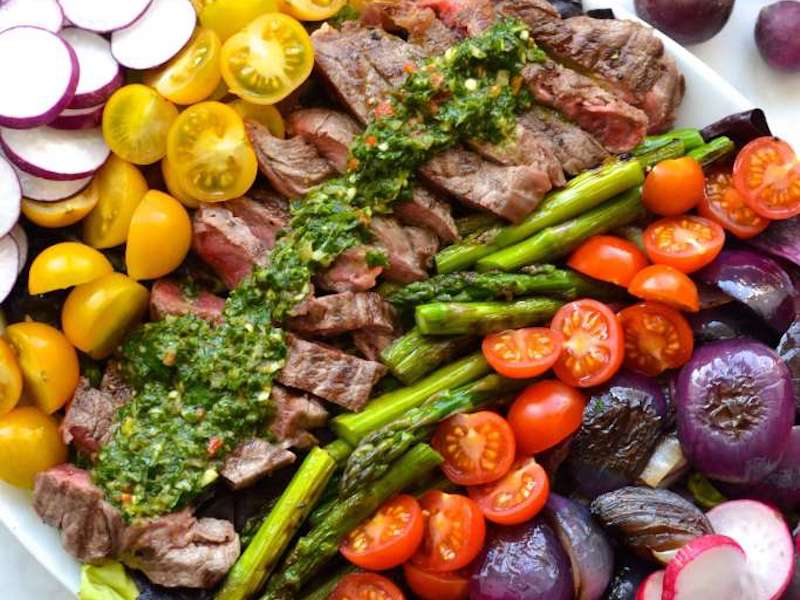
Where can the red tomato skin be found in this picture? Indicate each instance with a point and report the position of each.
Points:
(723, 204)
(428, 585)
(673, 187)
(764, 165)
(667, 242)
(526, 509)
(366, 586)
(545, 342)
(634, 325)
(608, 258)
(545, 414)
(665, 284)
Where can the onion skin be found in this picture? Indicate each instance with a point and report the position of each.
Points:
(777, 35)
(741, 127)
(735, 410)
(686, 21)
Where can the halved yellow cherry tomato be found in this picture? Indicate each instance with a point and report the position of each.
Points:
(136, 122)
(210, 152)
(174, 186)
(220, 92)
(120, 188)
(29, 443)
(64, 265)
(10, 378)
(64, 212)
(268, 60)
(159, 238)
(48, 362)
(313, 10)
(193, 74)
(228, 17)
(265, 114)
(97, 315)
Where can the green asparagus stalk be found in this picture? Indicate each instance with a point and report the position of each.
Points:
(351, 427)
(557, 241)
(255, 564)
(321, 544)
(476, 223)
(669, 150)
(414, 355)
(323, 590)
(468, 286)
(377, 451)
(452, 318)
(339, 451)
(691, 139)
(712, 151)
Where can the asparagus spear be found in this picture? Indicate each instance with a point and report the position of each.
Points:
(254, 565)
(476, 223)
(712, 151)
(351, 427)
(377, 451)
(691, 138)
(414, 355)
(554, 242)
(669, 150)
(312, 551)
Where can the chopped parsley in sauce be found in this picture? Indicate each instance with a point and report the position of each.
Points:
(203, 388)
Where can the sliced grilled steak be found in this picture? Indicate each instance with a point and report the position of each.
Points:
(179, 550)
(295, 413)
(410, 250)
(350, 272)
(168, 298)
(430, 210)
(420, 23)
(65, 497)
(371, 342)
(252, 460)
(346, 311)
(329, 373)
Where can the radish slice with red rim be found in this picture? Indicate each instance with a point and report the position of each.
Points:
(21, 239)
(35, 13)
(651, 588)
(763, 534)
(100, 74)
(9, 265)
(76, 153)
(157, 36)
(710, 567)
(39, 72)
(103, 15)
(46, 190)
(79, 118)
(10, 197)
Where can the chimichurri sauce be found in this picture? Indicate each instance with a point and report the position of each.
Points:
(200, 388)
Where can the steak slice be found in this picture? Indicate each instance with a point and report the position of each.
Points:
(371, 342)
(350, 272)
(179, 550)
(410, 250)
(168, 298)
(329, 373)
(293, 166)
(65, 497)
(252, 460)
(345, 311)
(295, 413)
(430, 210)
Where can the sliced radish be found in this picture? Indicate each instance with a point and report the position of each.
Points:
(9, 265)
(710, 567)
(10, 197)
(36, 13)
(762, 532)
(39, 72)
(21, 240)
(79, 118)
(651, 587)
(156, 36)
(103, 15)
(100, 74)
(46, 190)
(75, 154)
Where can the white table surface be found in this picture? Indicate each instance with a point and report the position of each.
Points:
(732, 53)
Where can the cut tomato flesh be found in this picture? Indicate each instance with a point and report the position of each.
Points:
(767, 174)
(522, 353)
(657, 338)
(724, 204)
(686, 243)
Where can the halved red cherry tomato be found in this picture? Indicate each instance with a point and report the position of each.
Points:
(545, 414)
(436, 586)
(608, 258)
(517, 497)
(522, 353)
(673, 186)
(767, 174)
(454, 532)
(667, 285)
(389, 538)
(724, 204)
(657, 338)
(366, 586)
(593, 345)
(477, 448)
(687, 243)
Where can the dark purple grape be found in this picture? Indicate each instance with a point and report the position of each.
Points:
(687, 21)
(778, 35)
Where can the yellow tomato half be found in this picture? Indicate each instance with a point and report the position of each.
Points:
(268, 60)
(64, 265)
(210, 153)
(193, 74)
(136, 121)
(174, 186)
(227, 17)
(10, 378)
(265, 114)
(64, 212)
(159, 238)
(313, 10)
(120, 188)
(29, 443)
(97, 315)
(48, 362)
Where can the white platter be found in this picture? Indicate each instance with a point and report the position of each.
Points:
(708, 98)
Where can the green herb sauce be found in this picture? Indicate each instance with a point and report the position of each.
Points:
(201, 389)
